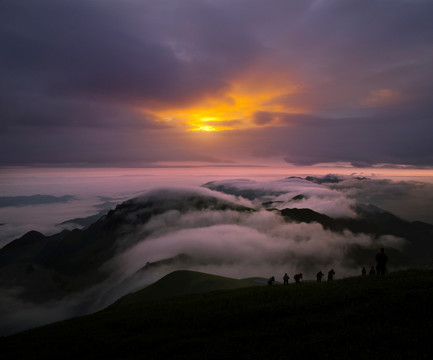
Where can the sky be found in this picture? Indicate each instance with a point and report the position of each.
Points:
(134, 83)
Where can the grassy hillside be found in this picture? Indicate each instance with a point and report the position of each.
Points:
(183, 282)
(358, 318)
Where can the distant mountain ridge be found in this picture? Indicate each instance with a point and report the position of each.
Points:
(82, 222)
(6, 201)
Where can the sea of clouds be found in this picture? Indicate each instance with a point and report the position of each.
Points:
(256, 241)
(228, 228)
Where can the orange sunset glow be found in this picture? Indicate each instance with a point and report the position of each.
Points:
(232, 110)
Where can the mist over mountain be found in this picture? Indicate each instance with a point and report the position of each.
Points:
(410, 200)
(233, 228)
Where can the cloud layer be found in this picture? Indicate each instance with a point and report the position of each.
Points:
(111, 83)
(411, 200)
(289, 193)
(236, 243)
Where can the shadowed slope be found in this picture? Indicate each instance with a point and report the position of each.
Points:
(357, 318)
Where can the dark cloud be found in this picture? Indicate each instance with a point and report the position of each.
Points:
(263, 117)
(361, 70)
(128, 147)
(307, 140)
(35, 111)
(105, 50)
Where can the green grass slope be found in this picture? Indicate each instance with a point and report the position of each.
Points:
(387, 317)
(183, 282)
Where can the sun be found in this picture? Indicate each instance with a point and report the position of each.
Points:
(206, 128)
(199, 122)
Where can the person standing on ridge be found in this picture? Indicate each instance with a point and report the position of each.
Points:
(319, 276)
(381, 260)
(298, 278)
(286, 279)
(331, 274)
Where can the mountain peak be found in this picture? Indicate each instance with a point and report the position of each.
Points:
(28, 238)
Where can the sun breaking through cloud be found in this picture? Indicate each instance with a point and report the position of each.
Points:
(234, 109)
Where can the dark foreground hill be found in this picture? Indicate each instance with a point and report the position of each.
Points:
(184, 282)
(357, 318)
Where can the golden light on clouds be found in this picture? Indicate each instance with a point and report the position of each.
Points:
(233, 110)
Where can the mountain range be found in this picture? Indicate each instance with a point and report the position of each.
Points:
(43, 269)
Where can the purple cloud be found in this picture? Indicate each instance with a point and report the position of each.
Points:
(360, 71)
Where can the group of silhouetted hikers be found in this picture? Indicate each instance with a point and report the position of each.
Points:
(380, 269)
(298, 277)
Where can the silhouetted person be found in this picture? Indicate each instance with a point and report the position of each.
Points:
(298, 278)
(271, 281)
(363, 271)
(286, 279)
(319, 276)
(331, 274)
(372, 271)
(381, 260)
